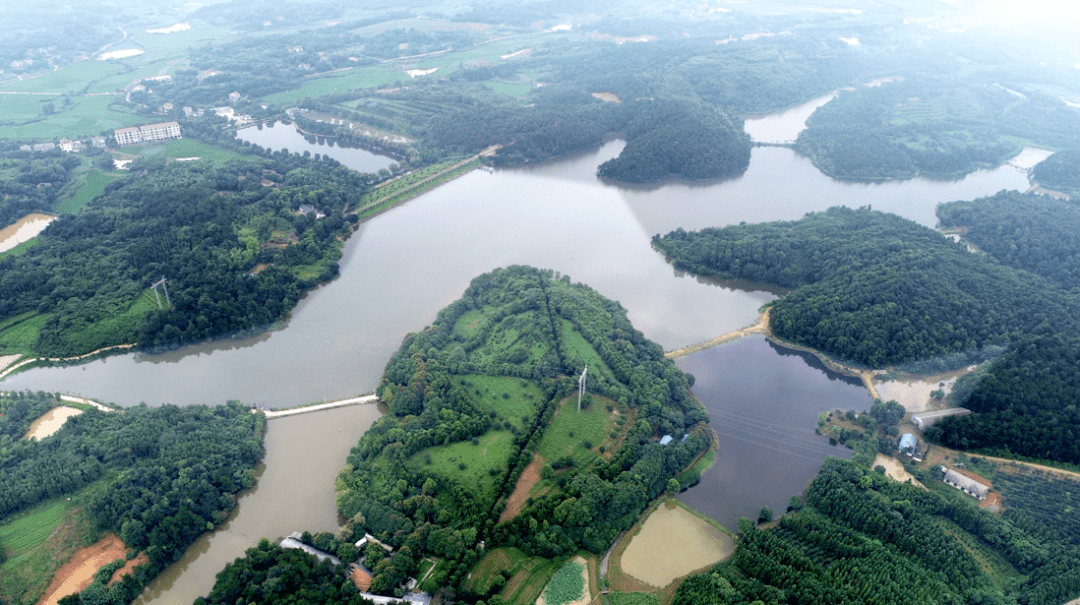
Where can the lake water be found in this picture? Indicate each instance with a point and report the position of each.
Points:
(278, 135)
(763, 402)
(401, 267)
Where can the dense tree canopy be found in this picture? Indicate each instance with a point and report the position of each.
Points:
(1026, 231)
(228, 238)
(530, 334)
(865, 538)
(165, 474)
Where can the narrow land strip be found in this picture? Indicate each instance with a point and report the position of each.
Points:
(762, 327)
(320, 407)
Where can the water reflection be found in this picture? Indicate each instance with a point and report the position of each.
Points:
(281, 135)
(763, 401)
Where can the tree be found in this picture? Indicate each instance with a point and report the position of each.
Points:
(673, 485)
(765, 515)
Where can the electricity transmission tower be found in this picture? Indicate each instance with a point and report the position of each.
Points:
(581, 387)
(163, 287)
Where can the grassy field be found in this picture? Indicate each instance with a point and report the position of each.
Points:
(570, 430)
(39, 541)
(85, 116)
(19, 334)
(361, 77)
(190, 148)
(491, 453)
(577, 346)
(528, 575)
(23, 247)
(118, 324)
(633, 598)
(92, 185)
(511, 398)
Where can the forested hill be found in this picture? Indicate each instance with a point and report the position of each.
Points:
(1027, 231)
(865, 538)
(492, 383)
(157, 477)
(235, 252)
(876, 289)
(1060, 171)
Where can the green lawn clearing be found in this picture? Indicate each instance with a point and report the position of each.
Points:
(469, 464)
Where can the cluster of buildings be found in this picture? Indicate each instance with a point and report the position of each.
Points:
(68, 145)
(146, 134)
(361, 575)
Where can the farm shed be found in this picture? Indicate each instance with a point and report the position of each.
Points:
(965, 484)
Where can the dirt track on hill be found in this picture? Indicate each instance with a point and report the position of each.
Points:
(529, 477)
(79, 571)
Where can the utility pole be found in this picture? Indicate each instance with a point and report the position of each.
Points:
(581, 387)
(163, 287)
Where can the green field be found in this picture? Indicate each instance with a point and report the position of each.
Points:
(85, 116)
(490, 454)
(511, 398)
(23, 247)
(19, 334)
(118, 324)
(566, 586)
(93, 185)
(578, 347)
(528, 575)
(190, 148)
(513, 89)
(361, 77)
(633, 598)
(39, 541)
(570, 430)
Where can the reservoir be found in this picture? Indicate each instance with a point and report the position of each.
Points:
(763, 401)
(401, 267)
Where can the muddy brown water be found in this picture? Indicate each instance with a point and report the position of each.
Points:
(672, 543)
(294, 492)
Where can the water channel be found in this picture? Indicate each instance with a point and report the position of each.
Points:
(403, 266)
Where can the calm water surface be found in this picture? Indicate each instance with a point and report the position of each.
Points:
(763, 402)
(400, 268)
(277, 135)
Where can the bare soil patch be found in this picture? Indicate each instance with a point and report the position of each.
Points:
(992, 503)
(50, 422)
(78, 572)
(129, 567)
(895, 469)
(529, 477)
